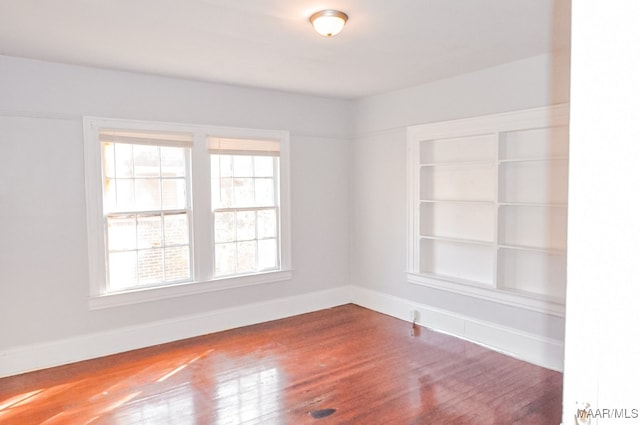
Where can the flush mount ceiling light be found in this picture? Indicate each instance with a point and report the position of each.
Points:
(328, 22)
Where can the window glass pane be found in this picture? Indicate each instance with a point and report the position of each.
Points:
(123, 160)
(172, 161)
(121, 233)
(264, 192)
(149, 231)
(215, 193)
(176, 229)
(226, 192)
(146, 161)
(177, 263)
(226, 165)
(215, 166)
(263, 166)
(125, 198)
(243, 192)
(215, 181)
(242, 166)
(150, 266)
(246, 257)
(225, 258)
(147, 194)
(267, 224)
(246, 222)
(109, 202)
(108, 160)
(225, 227)
(173, 194)
(122, 270)
(267, 254)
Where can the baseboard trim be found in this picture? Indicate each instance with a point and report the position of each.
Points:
(84, 347)
(535, 349)
(531, 348)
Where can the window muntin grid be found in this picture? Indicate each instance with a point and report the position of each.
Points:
(146, 207)
(245, 213)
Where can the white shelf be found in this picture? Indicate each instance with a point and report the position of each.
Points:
(513, 297)
(460, 182)
(457, 260)
(458, 163)
(549, 251)
(455, 201)
(534, 159)
(536, 227)
(534, 272)
(532, 204)
(489, 206)
(451, 279)
(536, 182)
(458, 240)
(458, 221)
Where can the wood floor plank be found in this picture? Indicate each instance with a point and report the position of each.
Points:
(346, 365)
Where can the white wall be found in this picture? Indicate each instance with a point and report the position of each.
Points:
(43, 241)
(379, 179)
(603, 318)
(348, 199)
(536, 81)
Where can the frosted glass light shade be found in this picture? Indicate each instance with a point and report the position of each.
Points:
(328, 22)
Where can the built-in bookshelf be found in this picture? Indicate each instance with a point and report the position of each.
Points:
(488, 206)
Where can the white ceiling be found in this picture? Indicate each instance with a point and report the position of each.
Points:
(386, 45)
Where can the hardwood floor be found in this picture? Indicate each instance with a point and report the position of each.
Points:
(367, 366)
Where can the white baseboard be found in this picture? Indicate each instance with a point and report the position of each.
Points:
(55, 353)
(534, 349)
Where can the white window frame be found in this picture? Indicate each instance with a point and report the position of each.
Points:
(201, 224)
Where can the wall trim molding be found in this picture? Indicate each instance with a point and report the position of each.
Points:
(78, 117)
(32, 357)
(535, 349)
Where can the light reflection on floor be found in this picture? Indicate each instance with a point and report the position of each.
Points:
(119, 399)
(172, 407)
(252, 396)
(236, 393)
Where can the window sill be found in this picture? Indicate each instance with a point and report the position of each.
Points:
(135, 296)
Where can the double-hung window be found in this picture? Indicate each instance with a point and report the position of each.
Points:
(174, 209)
(245, 198)
(147, 208)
